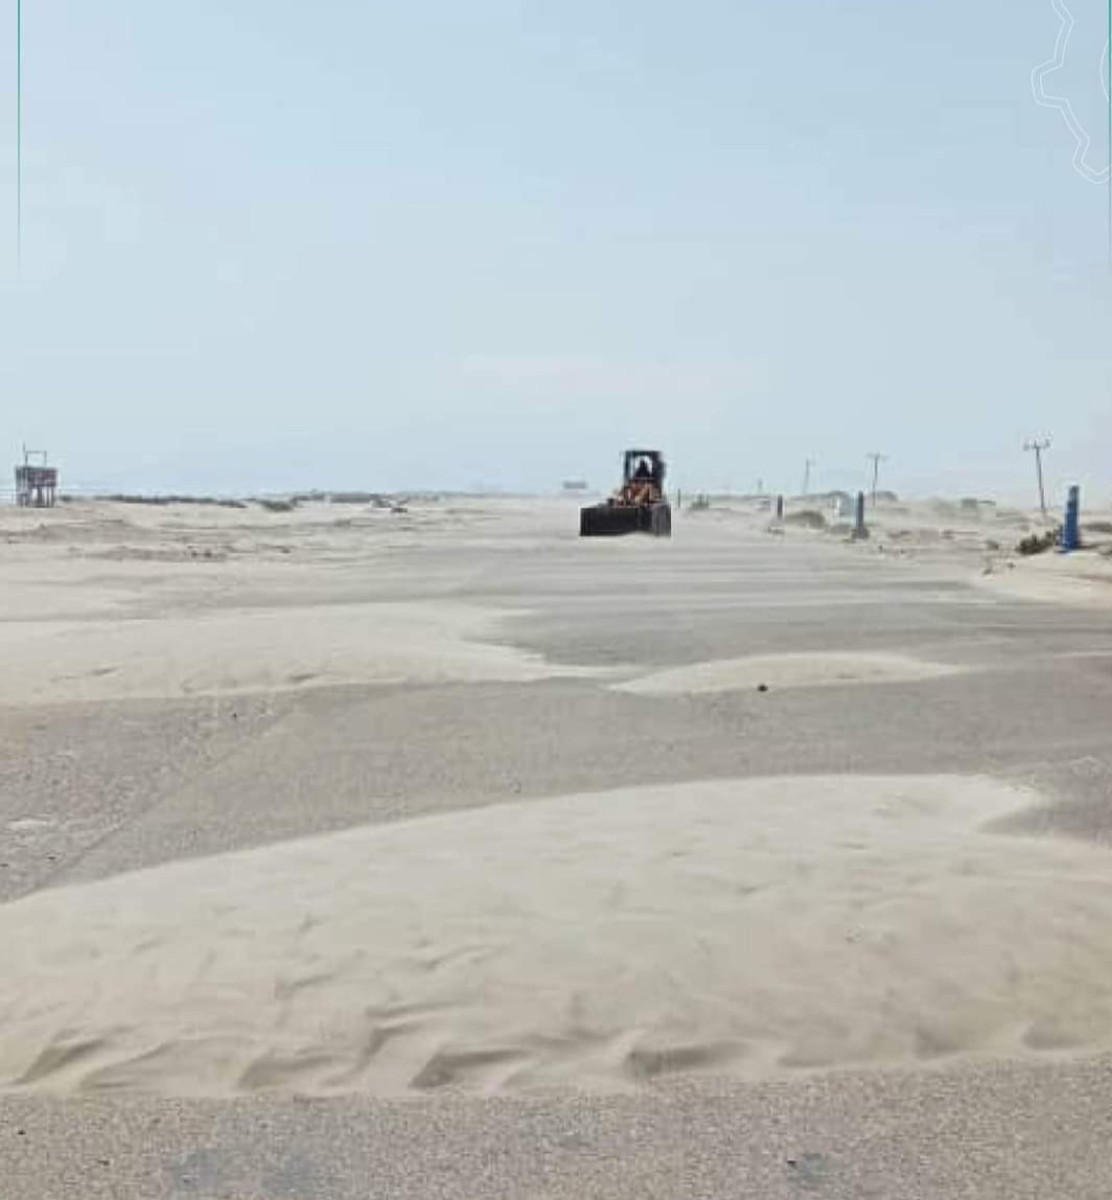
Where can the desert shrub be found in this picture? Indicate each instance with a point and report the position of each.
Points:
(809, 518)
(1039, 543)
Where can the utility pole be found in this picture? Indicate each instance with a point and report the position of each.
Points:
(1038, 445)
(877, 458)
(807, 476)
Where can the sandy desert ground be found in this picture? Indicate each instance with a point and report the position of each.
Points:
(439, 852)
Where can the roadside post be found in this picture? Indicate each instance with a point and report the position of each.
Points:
(860, 529)
(779, 508)
(1071, 531)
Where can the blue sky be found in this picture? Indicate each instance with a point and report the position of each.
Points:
(274, 245)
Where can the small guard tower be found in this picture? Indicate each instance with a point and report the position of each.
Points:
(36, 484)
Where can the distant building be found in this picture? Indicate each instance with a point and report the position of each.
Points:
(575, 485)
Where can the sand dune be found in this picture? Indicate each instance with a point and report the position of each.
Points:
(257, 649)
(755, 928)
(786, 671)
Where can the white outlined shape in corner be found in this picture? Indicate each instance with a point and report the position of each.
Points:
(1082, 138)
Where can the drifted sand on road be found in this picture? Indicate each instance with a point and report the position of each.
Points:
(751, 928)
(103, 602)
(786, 671)
(253, 650)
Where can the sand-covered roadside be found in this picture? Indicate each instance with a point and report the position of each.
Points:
(978, 539)
(1082, 579)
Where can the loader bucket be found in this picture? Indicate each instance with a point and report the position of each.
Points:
(614, 520)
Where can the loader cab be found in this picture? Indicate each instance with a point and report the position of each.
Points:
(644, 465)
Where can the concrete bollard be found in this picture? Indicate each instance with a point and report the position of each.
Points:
(1071, 531)
(860, 529)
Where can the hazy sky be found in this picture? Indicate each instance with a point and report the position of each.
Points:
(462, 242)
